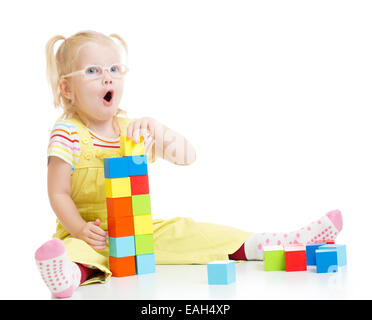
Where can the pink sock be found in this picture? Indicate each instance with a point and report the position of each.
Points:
(61, 275)
(326, 228)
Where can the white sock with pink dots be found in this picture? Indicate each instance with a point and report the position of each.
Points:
(326, 228)
(61, 275)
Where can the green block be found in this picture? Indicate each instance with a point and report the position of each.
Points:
(144, 243)
(141, 204)
(274, 258)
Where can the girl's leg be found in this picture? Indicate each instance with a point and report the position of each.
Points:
(326, 228)
(61, 275)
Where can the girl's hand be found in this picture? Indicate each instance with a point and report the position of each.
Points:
(144, 127)
(92, 234)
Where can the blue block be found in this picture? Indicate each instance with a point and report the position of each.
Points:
(341, 252)
(326, 260)
(122, 247)
(116, 167)
(145, 263)
(221, 272)
(137, 165)
(310, 252)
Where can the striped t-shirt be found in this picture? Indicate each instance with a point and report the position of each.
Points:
(64, 142)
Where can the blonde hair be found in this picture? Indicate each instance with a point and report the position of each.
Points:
(63, 62)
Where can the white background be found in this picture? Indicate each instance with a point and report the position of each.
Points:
(274, 95)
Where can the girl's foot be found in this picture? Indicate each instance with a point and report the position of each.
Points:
(61, 275)
(325, 228)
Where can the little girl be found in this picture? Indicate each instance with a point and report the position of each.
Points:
(87, 77)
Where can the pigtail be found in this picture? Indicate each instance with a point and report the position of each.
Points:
(52, 69)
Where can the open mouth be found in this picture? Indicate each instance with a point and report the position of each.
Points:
(107, 99)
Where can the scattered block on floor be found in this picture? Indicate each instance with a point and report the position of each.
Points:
(326, 260)
(221, 272)
(274, 258)
(310, 252)
(295, 257)
(341, 252)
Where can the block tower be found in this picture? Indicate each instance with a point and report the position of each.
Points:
(131, 244)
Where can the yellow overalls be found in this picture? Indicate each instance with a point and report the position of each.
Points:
(176, 241)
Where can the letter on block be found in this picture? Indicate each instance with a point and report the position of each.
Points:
(274, 258)
(295, 257)
(310, 252)
(221, 272)
(341, 252)
(137, 165)
(145, 263)
(326, 260)
(122, 267)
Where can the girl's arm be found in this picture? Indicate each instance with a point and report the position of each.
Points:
(169, 144)
(59, 192)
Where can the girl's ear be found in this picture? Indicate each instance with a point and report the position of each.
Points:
(65, 89)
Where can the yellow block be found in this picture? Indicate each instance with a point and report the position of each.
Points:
(118, 187)
(143, 224)
(129, 148)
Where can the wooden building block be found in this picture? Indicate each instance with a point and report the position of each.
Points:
(122, 247)
(137, 165)
(144, 243)
(123, 227)
(129, 148)
(145, 263)
(118, 187)
(143, 224)
(274, 258)
(341, 252)
(118, 208)
(116, 167)
(221, 272)
(141, 204)
(122, 267)
(295, 258)
(326, 260)
(139, 184)
(310, 252)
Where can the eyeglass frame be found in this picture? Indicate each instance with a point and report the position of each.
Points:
(82, 71)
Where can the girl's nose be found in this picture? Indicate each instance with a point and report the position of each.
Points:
(106, 78)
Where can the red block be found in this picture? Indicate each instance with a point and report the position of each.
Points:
(139, 184)
(295, 258)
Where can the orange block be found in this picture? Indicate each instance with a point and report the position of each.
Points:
(123, 227)
(118, 208)
(122, 267)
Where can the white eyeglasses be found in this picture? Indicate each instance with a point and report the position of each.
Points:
(92, 72)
